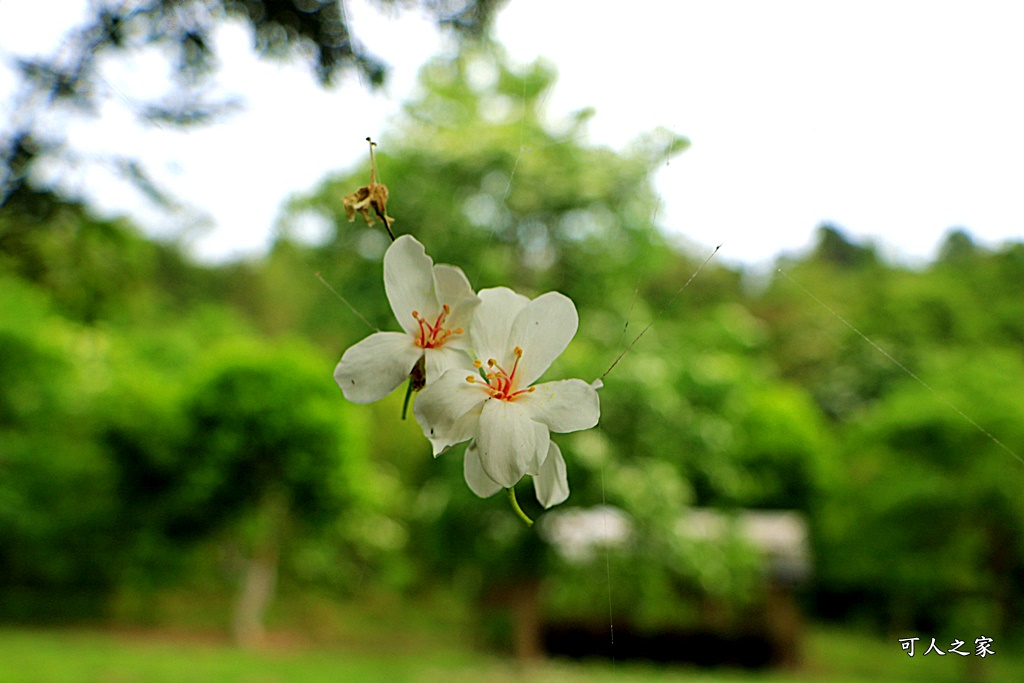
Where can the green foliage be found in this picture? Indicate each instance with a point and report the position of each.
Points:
(511, 201)
(154, 410)
(93, 269)
(266, 422)
(57, 522)
(927, 484)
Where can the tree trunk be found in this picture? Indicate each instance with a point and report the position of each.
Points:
(784, 626)
(260, 578)
(526, 622)
(257, 591)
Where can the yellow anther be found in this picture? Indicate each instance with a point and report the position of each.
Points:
(458, 330)
(471, 379)
(477, 363)
(530, 390)
(446, 309)
(491, 362)
(518, 351)
(416, 314)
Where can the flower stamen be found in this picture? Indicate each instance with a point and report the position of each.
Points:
(501, 384)
(434, 335)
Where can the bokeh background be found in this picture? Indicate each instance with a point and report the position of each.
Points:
(796, 467)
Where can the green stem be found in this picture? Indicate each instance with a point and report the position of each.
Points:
(408, 393)
(511, 492)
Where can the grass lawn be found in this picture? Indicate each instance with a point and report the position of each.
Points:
(71, 656)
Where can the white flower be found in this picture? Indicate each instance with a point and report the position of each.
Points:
(433, 305)
(508, 420)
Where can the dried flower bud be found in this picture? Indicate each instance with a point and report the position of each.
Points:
(370, 200)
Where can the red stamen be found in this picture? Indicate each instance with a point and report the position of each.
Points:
(433, 336)
(423, 332)
(501, 384)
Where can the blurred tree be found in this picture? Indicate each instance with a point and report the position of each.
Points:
(916, 519)
(263, 457)
(924, 485)
(975, 298)
(958, 248)
(812, 346)
(59, 547)
(94, 269)
(92, 378)
(833, 247)
(317, 31)
(479, 177)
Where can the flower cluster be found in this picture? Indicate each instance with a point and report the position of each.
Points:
(481, 354)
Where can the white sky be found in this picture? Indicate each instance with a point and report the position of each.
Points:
(895, 120)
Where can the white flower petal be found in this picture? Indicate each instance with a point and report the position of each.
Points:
(459, 342)
(552, 484)
(448, 409)
(507, 440)
(372, 369)
(565, 406)
(447, 358)
(451, 284)
(463, 429)
(453, 288)
(409, 283)
(479, 482)
(542, 329)
(542, 438)
(492, 322)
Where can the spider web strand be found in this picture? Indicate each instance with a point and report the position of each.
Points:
(661, 312)
(905, 369)
(346, 302)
